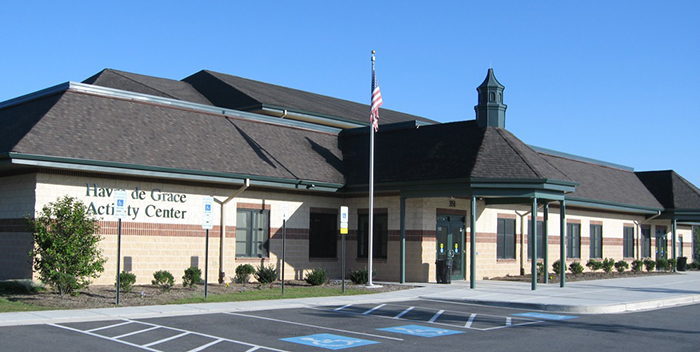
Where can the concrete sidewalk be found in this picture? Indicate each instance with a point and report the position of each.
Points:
(599, 296)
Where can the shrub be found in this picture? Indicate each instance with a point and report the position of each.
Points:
(126, 281)
(594, 265)
(316, 277)
(556, 267)
(193, 276)
(621, 266)
(637, 265)
(163, 279)
(243, 273)
(649, 264)
(540, 269)
(671, 264)
(20, 287)
(66, 251)
(360, 277)
(608, 264)
(576, 268)
(662, 264)
(266, 274)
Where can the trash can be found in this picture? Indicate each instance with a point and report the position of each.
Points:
(441, 271)
(682, 264)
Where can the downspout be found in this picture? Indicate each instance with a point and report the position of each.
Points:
(222, 227)
(639, 232)
(522, 238)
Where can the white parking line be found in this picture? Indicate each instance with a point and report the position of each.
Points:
(404, 312)
(373, 309)
(437, 315)
(109, 326)
(470, 321)
(103, 337)
(343, 307)
(209, 345)
(313, 326)
(166, 339)
(509, 321)
(136, 332)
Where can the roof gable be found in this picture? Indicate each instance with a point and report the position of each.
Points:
(672, 190)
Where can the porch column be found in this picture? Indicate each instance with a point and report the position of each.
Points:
(402, 264)
(546, 244)
(673, 252)
(472, 244)
(562, 243)
(533, 232)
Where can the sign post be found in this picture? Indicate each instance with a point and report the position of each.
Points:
(285, 213)
(120, 197)
(207, 224)
(343, 232)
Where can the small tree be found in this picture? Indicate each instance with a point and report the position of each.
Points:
(66, 252)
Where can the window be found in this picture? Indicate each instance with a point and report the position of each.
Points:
(323, 232)
(596, 246)
(646, 242)
(628, 242)
(252, 233)
(540, 240)
(380, 236)
(505, 239)
(573, 241)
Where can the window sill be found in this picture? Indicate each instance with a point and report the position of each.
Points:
(506, 260)
(321, 259)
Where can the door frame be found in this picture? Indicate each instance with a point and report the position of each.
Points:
(461, 221)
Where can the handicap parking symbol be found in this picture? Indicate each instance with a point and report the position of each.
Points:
(422, 331)
(329, 341)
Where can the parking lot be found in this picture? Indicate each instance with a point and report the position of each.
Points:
(411, 325)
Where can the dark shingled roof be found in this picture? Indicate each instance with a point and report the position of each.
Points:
(161, 87)
(604, 183)
(449, 151)
(244, 94)
(85, 126)
(672, 190)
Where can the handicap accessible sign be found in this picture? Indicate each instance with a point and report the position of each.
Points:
(329, 341)
(422, 331)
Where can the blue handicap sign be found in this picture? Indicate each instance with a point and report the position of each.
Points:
(120, 202)
(207, 207)
(423, 331)
(545, 316)
(329, 341)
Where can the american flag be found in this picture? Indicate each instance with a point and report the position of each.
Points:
(376, 101)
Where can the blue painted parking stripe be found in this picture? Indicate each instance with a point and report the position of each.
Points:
(329, 341)
(545, 316)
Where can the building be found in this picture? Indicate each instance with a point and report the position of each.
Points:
(464, 189)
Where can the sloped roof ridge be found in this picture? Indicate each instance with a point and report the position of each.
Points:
(121, 74)
(517, 151)
(578, 160)
(307, 94)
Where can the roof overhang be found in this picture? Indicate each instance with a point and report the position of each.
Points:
(19, 161)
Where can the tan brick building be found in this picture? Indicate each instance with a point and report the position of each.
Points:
(463, 190)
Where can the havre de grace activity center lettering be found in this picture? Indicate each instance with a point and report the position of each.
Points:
(160, 204)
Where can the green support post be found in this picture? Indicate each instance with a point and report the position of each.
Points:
(673, 251)
(533, 231)
(545, 260)
(402, 279)
(472, 244)
(562, 243)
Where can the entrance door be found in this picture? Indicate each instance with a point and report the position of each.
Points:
(450, 242)
(661, 243)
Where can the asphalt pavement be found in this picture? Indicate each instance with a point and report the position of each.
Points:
(583, 297)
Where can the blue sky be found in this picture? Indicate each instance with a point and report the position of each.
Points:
(617, 81)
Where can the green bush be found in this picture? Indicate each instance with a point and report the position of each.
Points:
(126, 281)
(193, 276)
(662, 264)
(594, 265)
(266, 275)
(66, 252)
(20, 287)
(671, 264)
(637, 265)
(243, 273)
(163, 279)
(621, 266)
(608, 264)
(649, 264)
(360, 277)
(576, 268)
(316, 277)
(556, 267)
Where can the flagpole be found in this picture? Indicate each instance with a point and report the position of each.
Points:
(370, 243)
